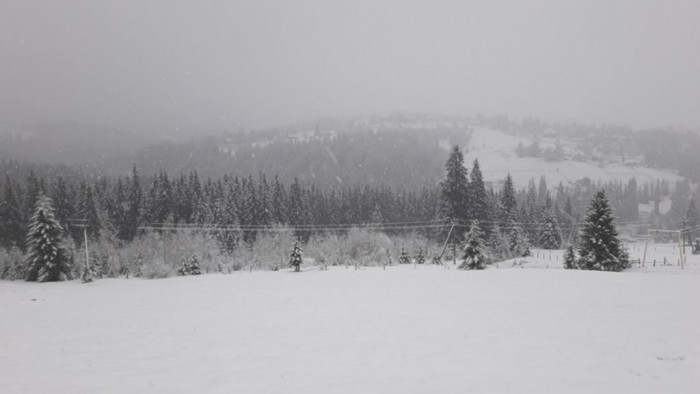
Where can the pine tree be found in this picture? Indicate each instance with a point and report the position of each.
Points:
(473, 257)
(480, 207)
(295, 259)
(454, 191)
(48, 260)
(599, 245)
(297, 214)
(63, 207)
(518, 242)
(12, 233)
(88, 211)
(550, 237)
(403, 257)
(33, 193)
(279, 206)
(570, 258)
(692, 220)
(420, 256)
(264, 202)
(133, 210)
(194, 266)
(189, 267)
(227, 238)
(509, 205)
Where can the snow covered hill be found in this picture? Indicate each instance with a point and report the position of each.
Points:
(400, 330)
(496, 151)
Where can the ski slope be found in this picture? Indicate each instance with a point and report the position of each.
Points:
(399, 330)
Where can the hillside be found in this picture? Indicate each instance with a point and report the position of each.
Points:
(497, 153)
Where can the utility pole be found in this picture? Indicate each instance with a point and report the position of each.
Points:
(87, 256)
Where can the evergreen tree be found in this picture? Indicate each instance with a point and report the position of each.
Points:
(63, 207)
(32, 196)
(133, 210)
(550, 237)
(518, 242)
(295, 259)
(47, 260)
(473, 257)
(480, 207)
(12, 231)
(279, 206)
(88, 211)
(227, 238)
(420, 256)
(570, 258)
(263, 201)
(599, 245)
(454, 190)
(189, 267)
(296, 205)
(403, 257)
(692, 220)
(377, 218)
(509, 205)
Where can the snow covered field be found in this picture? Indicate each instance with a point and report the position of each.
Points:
(496, 153)
(402, 330)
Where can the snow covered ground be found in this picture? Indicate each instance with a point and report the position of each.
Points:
(399, 330)
(496, 153)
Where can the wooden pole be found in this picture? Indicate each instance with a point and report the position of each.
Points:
(646, 244)
(87, 256)
(680, 249)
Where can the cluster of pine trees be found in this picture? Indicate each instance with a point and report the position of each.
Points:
(465, 203)
(125, 205)
(507, 221)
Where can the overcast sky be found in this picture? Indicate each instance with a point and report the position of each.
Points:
(198, 65)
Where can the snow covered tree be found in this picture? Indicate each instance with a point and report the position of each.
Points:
(227, 220)
(692, 220)
(517, 240)
(12, 232)
(133, 211)
(420, 256)
(473, 257)
(278, 202)
(570, 258)
(599, 245)
(87, 210)
(47, 259)
(34, 190)
(189, 267)
(295, 259)
(454, 190)
(60, 197)
(550, 236)
(509, 205)
(194, 266)
(480, 207)
(403, 257)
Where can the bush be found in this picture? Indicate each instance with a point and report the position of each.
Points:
(156, 269)
(12, 264)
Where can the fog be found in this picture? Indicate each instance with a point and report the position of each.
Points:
(196, 66)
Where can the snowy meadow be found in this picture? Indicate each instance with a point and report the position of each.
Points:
(532, 328)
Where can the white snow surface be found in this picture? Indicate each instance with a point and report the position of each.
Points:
(399, 330)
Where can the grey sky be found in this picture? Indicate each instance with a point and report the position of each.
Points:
(199, 65)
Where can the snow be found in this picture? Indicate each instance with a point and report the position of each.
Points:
(495, 151)
(403, 329)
